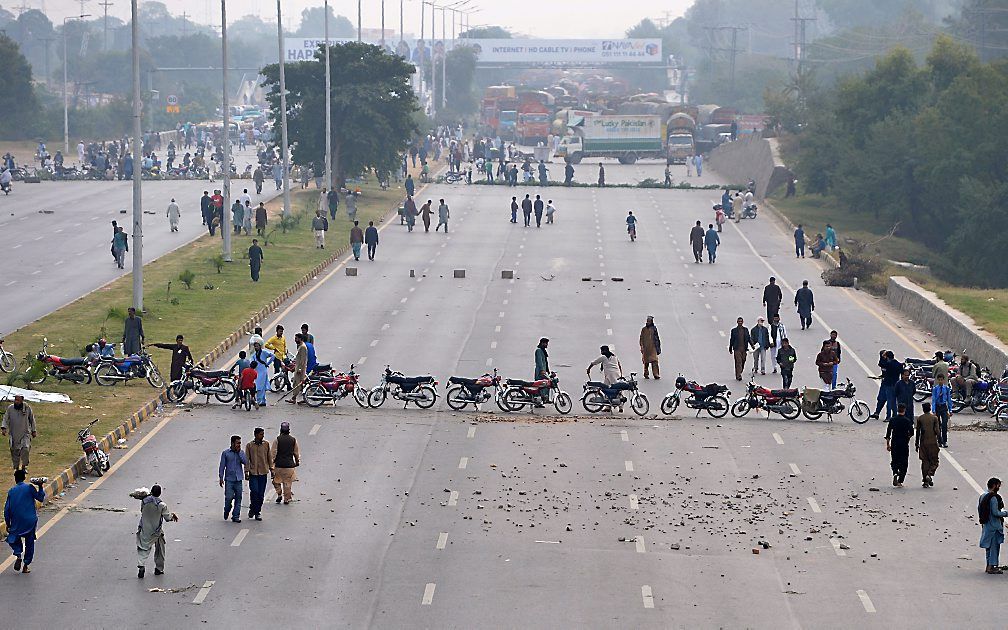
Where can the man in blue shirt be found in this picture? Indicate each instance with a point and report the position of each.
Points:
(312, 360)
(891, 371)
(231, 473)
(21, 518)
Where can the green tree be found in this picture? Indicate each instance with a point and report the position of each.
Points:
(486, 32)
(372, 108)
(460, 74)
(313, 24)
(17, 95)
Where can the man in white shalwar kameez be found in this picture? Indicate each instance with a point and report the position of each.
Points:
(153, 514)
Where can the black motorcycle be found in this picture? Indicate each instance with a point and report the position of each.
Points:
(815, 403)
(464, 391)
(601, 397)
(712, 398)
(418, 390)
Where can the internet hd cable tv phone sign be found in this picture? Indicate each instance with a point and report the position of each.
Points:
(567, 51)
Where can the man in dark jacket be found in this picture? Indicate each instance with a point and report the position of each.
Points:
(205, 206)
(133, 333)
(904, 391)
(786, 359)
(255, 256)
(527, 210)
(805, 303)
(891, 371)
(180, 355)
(371, 239)
(897, 438)
(772, 298)
(696, 237)
(739, 343)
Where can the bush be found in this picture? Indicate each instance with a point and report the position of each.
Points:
(187, 277)
(218, 262)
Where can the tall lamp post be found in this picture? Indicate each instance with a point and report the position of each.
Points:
(137, 167)
(66, 106)
(328, 105)
(283, 115)
(226, 112)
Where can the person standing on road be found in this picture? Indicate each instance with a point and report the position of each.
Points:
(277, 344)
(264, 359)
(542, 369)
(941, 402)
(825, 361)
(425, 215)
(286, 457)
(891, 371)
(300, 370)
(526, 205)
(120, 245)
(255, 256)
(371, 239)
(799, 242)
(319, 226)
(712, 241)
(689, 166)
(550, 211)
(650, 347)
(260, 465)
(772, 298)
(926, 444)
(834, 345)
(668, 176)
(443, 214)
(410, 212)
(231, 474)
(278, 174)
(543, 181)
(696, 237)
(940, 371)
(332, 203)
(356, 239)
(133, 333)
(173, 215)
(904, 391)
(150, 531)
(537, 207)
(739, 342)
(260, 219)
(410, 184)
(699, 164)
(180, 356)
(601, 175)
(568, 174)
(760, 337)
(258, 178)
(21, 519)
(992, 514)
(777, 333)
(514, 209)
(805, 303)
(786, 358)
(19, 422)
(897, 439)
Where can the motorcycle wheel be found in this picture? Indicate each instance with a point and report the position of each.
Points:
(501, 403)
(315, 395)
(455, 399)
(82, 375)
(722, 407)
(279, 383)
(515, 399)
(107, 375)
(993, 402)
(790, 409)
(811, 415)
(360, 396)
(859, 411)
(154, 377)
(428, 397)
(563, 403)
(740, 407)
(247, 399)
(96, 467)
(921, 391)
(589, 402)
(377, 397)
(7, 362)
(229, 394)
(640, 405)
(978, 405)
(669, 404)
(41, 379)
(1001, 415)
(176, 391)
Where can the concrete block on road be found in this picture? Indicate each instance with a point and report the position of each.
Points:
(351, 271)
(460, 273)
(507, 274)
(616, 279)
(412, 273)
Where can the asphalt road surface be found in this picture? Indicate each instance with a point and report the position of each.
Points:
(56, 236)
(409, 518)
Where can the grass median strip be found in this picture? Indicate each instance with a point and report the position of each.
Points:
(209, 309)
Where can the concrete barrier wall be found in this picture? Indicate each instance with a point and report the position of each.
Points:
(957, 330)
(751, 157)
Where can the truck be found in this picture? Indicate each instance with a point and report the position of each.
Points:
(624, 137)
(498, 111)
(535, 114)
(680, 141)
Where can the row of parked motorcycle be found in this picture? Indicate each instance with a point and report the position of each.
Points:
(106, 370)
(988, 393)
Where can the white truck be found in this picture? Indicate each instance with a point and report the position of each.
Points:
(624, 137)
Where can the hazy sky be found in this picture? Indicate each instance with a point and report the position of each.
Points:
(537, 18)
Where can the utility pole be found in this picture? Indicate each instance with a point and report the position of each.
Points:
(185, 23)
(444, 61)
(283, 115)
(401, 30)
(799, 40)
(137, 167)
(432, 69)
(46, 45)
(226, 110)
(358, 20)
(328, 105)
(105, 4)
(66, 104)
(383, 24)
(733, 51)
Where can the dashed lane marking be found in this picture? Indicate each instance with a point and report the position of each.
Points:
(869, 607)
(624, 435)
(836, 547)
(315, 429)
(471, 433)
(442, 540)
(453, 498)
(639, 544)
(646, 596)
(493, 345)
(239, 538)
(795, 469)
(428, 594)
(608, 332)
(777, 438)
(634, 502)
(489, 362)
(463, 462)
(203, 592)
(628, 465)
(815, 506)
(374, 342)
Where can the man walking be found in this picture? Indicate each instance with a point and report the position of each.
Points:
(205, 210)
(409, 212)
(772, 298)
(231, 474)
(926, 444)
(696, 237)
(786, 358)
(258, 178)
(739, 342)
(410, 184)
(425, 215)
(904, 390)
(897, 438)
(891, 371)
(21, 519)
(601, 175)
(442, 212)
(319, 226)
(537, 206)
(834, 345)
(255, 256)
(777, 334)
(261, 219)
(150, 533)
(526, 205)
(286, 457)
(799, 242)
(514, 210)
(805, 303)
(332, 202)
(300, 369)
(356, 239)
(760, 337)
(941, 402)
(992, 514)
(133, 333)
(650, 347)
(19, 423)
(711, 240)
(371, 239)
(173, 215)
(260, 464)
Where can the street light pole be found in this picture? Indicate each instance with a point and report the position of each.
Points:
(137, 165)
(226, 111)
(358, 20)
(444, 61)
(328, 105)
(283, 116)
(66, 105)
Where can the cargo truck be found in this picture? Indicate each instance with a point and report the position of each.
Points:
(681, 143)
(624, 137)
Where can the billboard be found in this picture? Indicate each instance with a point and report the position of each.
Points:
(567, 51)
(414, 50)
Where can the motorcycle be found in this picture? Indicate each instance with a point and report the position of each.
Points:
(73, 369)
(749, 212)
(782, 401)
(202, 382)
(418, 390)
(331, 388)
(475, 391)
(96, 458)
(452, 176)
(518, 394)
(815, 403)
(596, 399)
(712, 398)
(281, 381)
(111, 371)
(983, 396)
(7, 361)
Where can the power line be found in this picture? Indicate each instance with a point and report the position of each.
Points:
(733, 50)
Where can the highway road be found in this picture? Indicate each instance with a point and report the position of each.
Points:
(56, 236)
(409, 518)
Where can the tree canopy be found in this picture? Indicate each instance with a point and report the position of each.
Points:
(17, 95)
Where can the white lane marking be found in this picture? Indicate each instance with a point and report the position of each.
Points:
(239, 538)
(707, 306)
(315, 429)
(57, 263)
(428, 592)
(815, 506)
(608, 316)
(700, 294)
(203, 592)
(634, 502)
(605, 294)
(777, 438)
(869, 607)
(463, 462)
(795, 469)
(605, 304)
(646, 596)
(962, 471)
(453, 498)
(37, 238)
(608, 332)
(714, 318)
(500, 314)
(624, 435)
(721, 332)
(17, 246)
(361, 361)
(412, 289)
(489, 362)
(10, 283)
(374, 342)
(628, 465)
(395, 312)
(836, 547)
(504, 303)
(471, 433)
(442, 540)
(403, 301)
(493, 345)
(497, 328)
(639, 543)
(385, 326)
(36, 272)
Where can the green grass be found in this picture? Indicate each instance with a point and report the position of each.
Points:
(204, 316)
(989, 308)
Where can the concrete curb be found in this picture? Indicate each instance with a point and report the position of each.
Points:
(73, 473)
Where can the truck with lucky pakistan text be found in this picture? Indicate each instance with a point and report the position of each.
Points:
(624, 137)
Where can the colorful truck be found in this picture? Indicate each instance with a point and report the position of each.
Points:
(624, 137)
(680, 140)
